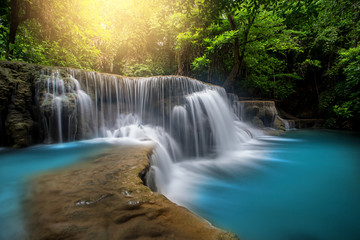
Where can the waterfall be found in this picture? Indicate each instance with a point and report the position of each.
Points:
(183, 117)
(288, 124)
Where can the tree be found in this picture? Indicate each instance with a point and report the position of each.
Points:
(246, 44)
(19, 13)
(301, 53)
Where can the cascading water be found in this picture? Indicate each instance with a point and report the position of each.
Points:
(288, 124)
(187, 120)
(64, 107)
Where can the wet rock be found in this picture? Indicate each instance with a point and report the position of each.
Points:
(18, 127)
(5, 89)
(257, 122)
(19, 121)
(116, 207)
(260, 113)
(279, 124)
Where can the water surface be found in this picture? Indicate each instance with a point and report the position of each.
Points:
(306, 187)
(17, 166)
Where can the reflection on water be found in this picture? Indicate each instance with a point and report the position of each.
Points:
(306, 186)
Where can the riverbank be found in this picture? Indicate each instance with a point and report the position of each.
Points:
(106, 199)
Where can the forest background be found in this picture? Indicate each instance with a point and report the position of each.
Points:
(304, 54)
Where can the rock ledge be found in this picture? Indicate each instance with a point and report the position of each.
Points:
(106, 199)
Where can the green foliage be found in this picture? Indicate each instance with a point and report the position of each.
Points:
(29, 47)
(326, 102)
(348, 91)
(283, 49)
(146, 69)
(269, 42)
(138, 70)
(326, 39)
(185, 39)
(201, 63)
(26, 47)
(309, 62)
(344, 110)
(218, 42)
(4, 36)
(342, 101)
(331, 123)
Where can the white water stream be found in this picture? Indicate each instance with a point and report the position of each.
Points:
(191, 123)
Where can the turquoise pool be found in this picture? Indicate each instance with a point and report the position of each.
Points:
(306, 188)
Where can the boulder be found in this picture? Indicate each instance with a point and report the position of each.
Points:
(261, 114)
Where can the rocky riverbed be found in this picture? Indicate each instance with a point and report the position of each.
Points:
(106, 199)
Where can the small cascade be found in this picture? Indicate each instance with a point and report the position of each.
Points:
(183, 117)
(288, 124)
(64, 107)
(210, 111)
(236, 105)
(261, 114)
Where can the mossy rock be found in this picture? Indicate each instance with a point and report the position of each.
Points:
(46, 105)
(17, 102)
(279, 125)
(22, 96)
(19, 129)
(5, 89)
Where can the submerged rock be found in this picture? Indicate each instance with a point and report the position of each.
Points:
(106, 199)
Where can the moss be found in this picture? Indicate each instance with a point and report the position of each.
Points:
(22, 96)
(19, 129)
(46, 106)
(5, 89)
(21, 123)
(17, 102)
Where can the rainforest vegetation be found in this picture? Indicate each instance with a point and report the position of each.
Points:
(304, 54)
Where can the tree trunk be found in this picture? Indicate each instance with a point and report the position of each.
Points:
(238, 51)
(179, 64)
(15, 20)
(14, 23)
(230, 80)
